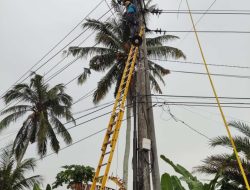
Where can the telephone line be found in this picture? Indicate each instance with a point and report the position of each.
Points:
(53, 47)
(214, 74)
(199, 63)
(58, 72)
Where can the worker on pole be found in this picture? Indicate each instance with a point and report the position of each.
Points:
(131, 19)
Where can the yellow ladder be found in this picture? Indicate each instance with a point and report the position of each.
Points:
(111, 136)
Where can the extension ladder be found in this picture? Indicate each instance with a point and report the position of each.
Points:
(111, 136)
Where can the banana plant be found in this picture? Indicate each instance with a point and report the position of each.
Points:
(169, 182)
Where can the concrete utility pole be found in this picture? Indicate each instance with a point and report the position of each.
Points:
(147, 160)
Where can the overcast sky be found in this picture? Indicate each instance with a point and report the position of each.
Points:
(30, 28)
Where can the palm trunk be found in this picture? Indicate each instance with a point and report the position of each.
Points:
(127, 145)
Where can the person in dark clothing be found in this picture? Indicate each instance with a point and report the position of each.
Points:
(131, 18)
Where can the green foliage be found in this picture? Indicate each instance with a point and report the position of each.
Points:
(44, 108)
(111, 54)
(74, 174)
(226, 163)
(48, 187)
(36, 187)
(174, 183)
(12, 176)
(170, 182)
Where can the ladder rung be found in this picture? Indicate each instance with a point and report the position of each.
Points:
(111, 132)
(103, 164)
(115, 115)
(122, 90)
(112, 124)
(106, 153)
(98, 178)
(107, 143)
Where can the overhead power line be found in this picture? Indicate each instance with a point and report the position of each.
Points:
(200, 31)
(78, 57)
(196, 104)
(199, 63)
(80, 140)
(43, 57)
(213, 74)
(74, 143)
(197, 97)
(160, 11)
(62, 69)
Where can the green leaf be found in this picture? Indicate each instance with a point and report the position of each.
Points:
(166, 182)
(36, 187)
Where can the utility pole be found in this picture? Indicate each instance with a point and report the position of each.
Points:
(147, 160)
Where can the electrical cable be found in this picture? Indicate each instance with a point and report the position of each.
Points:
(54, 46)
(187, 125)
(61, 70)
(196, 104)
(199, 97)
(93, 134)
(200, 63)
(99, 116)
(212, 74)
(160, 11)
(201, 31)
(78, 57)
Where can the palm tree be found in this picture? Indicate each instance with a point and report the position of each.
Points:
(113, 39)
(44, 107)
(12, 176)
(232, 178)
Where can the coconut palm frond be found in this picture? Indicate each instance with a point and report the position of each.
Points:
(165, 51)
(4, 123)
(158, 41)
(52, 93)
(159, 68)
(106, 28)
(155, 72)
(54, 143)
(83, 77)
(118, 8)
(65, 99)
(19, 92)
(104, 84)
(13, 175)
(242, 143)
(42, 134)
(119, 78)
(154, 84)
(102, 62)
(28, 182)
(61, 130)
(88, 51)
(242, 127)
(109, 41)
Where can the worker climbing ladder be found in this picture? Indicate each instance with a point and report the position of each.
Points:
(111, 136)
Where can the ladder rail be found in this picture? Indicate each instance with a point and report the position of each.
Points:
(110, 123)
